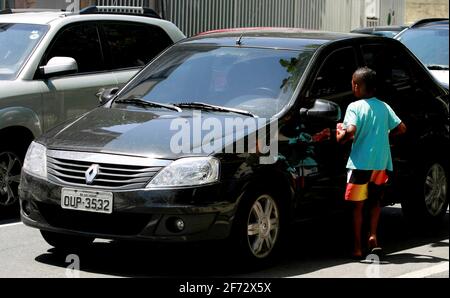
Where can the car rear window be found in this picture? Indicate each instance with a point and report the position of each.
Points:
(428, 44)
(134, 45)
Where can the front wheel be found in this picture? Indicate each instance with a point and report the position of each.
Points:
(10, 167)
(64, 242)
(257, 227)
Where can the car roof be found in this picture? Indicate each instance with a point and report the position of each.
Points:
(289, 38)
(430, 23)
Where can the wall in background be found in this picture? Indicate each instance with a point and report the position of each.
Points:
(420, 9)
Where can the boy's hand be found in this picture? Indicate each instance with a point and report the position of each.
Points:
(344, 134)
(340, 131)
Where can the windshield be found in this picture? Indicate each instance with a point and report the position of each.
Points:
(17, 41)
(260, 81)
(429, 45)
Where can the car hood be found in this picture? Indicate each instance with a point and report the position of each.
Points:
(441, 76)
(135, 133)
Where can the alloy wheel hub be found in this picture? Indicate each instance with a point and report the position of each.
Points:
(435, 189)
(10, 166)
(263, 226)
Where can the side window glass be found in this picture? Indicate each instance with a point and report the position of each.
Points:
(81, 43)
(373, 55)
(391, 66)
(335, 75)
(134, 45)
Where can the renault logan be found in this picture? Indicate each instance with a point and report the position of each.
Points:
(231, 135)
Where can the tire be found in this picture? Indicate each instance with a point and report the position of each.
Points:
(11, 161)
(427, 204)
(256, 233)
(65, 242)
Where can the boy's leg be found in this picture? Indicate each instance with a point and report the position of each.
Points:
(375, 210)
(376, 192)
(357, 225)
(357, 192)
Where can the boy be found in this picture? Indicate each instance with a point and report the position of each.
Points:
(368, 122)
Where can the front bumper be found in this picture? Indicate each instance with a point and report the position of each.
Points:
(137, 214)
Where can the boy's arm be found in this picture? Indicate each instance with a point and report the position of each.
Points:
(398, 130)
(344, 135)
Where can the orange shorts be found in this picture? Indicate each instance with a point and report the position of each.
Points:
(358, 183)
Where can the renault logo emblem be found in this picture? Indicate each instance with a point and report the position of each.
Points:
(91, 173)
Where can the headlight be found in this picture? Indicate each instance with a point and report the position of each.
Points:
(35, 162)
(187, 172)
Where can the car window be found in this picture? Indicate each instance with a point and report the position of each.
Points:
(335, 73)
(17, 42)
(429, 45)
(390, 63)
(82, 43)
(134, 45)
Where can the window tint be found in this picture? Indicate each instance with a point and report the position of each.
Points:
(335, 75)
(81, 43)
(134, 45)
(391, 66)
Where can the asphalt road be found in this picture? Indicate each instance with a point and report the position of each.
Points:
(315, 249)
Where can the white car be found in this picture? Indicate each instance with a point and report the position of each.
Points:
(54, 64)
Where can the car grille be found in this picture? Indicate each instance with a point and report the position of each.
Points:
(125, 224)
(111, 176)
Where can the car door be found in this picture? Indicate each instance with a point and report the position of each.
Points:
(130, 46)
(71, 95)
(409, 90)
(323, 161)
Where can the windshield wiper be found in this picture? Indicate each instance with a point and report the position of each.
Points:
(138, 101)
(209, 107)
(437, 67)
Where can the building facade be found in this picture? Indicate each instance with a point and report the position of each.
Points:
(420, 9)
(194, 16)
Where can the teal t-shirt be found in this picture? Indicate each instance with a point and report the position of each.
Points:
(374, 119)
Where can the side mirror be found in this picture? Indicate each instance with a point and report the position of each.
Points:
(59, 66)
(322, 110)
(105, 95)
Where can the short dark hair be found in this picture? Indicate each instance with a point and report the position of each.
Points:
(368, 77)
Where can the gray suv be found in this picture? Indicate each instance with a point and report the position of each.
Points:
(53, 66)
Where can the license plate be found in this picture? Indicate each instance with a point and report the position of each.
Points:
(87, 200)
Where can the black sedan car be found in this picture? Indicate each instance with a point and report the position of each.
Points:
(230, 135)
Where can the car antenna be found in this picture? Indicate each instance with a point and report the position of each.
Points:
(239, 40)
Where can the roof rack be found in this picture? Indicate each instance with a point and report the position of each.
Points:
(425, 21)
(122, 10)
